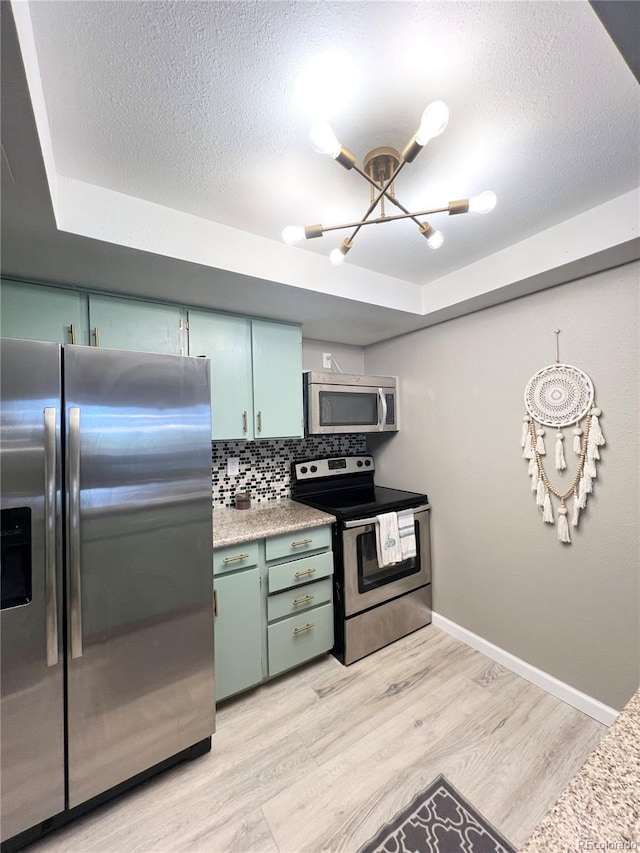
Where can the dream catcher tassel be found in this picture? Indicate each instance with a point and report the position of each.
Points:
(563, 526)
(581, 497)
(555, 397)
(576, 511)
(595, 433)
(528, 451)
(560, 460)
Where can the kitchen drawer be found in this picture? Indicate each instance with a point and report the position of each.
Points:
(294, 601)
(235, 557)
(298, 542)
(300, 638)
(298, 572)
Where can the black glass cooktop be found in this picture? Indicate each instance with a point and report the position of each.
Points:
(364, 501)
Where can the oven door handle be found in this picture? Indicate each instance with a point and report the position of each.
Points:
(363, 522)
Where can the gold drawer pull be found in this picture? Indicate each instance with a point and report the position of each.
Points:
(306, 627)
(303, 600)
(235, 559)
(301, 542)
(305, 573)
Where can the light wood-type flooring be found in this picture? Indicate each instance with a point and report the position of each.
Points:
(320, 758)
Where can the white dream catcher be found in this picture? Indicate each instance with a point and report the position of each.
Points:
(561, 396)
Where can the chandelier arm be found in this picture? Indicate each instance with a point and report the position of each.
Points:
(389, 197)
(380, 219)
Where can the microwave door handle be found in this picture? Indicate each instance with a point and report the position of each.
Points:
(383, 405)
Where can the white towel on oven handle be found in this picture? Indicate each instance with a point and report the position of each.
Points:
(407, 531)
(388, 539)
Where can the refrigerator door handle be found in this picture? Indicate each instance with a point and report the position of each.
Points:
(51, 585)
(75, 588)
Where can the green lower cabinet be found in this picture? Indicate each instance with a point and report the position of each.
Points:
(299, 638)
(238, 632)
(271, 616)
(41, 313)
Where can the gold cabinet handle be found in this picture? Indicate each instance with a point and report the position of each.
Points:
(306, 627)
(72, 333)
(301, 542)
(305, 573)
(259, 421)
(245, 423)
(304, 600)
(96, 336)
(235, 559)
(215, 603)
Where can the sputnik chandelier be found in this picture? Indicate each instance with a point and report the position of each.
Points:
(381, 168)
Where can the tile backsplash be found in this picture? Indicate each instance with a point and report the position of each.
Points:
(265, 466)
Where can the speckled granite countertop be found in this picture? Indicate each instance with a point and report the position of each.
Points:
(231, 526)
(600, 807)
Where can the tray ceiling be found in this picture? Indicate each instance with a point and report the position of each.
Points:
(191, 116)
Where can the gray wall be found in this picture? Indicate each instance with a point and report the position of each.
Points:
(499, 571)
(350, 358)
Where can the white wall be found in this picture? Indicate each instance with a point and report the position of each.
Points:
(350, 358)
(498, 570)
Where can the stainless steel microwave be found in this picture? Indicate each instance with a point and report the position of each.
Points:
(349, 403)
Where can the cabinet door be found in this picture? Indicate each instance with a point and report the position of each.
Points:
(277, 380)
(43, 313)
(142, 326)
(238, 632)
(226, 341)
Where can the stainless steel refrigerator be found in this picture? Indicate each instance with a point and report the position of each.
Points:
(107, 588)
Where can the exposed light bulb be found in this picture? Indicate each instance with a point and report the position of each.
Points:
(435, 240)
(434, 120)
(293, 234)
(324, 140)
(337, 257)
(482, 203)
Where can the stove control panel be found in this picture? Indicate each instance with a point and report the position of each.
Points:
(333, 466)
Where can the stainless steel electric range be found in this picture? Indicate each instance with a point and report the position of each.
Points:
(373, 606)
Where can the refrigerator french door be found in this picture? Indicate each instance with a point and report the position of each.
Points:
(107, 588)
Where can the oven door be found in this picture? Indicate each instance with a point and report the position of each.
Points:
(350, 408)
(365, 583)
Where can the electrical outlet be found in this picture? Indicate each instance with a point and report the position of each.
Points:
(326, 360)
(233, 466)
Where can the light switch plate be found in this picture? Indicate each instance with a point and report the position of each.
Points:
(233, 466)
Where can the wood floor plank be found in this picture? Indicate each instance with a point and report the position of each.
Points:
(319, 758)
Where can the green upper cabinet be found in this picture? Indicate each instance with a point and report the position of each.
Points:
(43, 313)
(277, 379)
(136, 325)
(226, 341)
(256, 375)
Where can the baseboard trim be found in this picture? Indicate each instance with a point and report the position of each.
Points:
(587, 704)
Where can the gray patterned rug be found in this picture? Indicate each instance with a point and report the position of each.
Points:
(439, 820)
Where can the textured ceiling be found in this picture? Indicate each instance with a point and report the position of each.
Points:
(194, 106)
